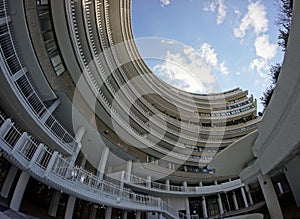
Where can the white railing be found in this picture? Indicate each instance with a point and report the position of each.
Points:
(40, 156)
(18, 79)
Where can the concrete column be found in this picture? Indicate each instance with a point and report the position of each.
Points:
(50, 110)
(21, 142)
(184, 184)
(8, 181)
(270, 196)
(138, 215)
(122, 180)
(168, 185)
(70, 207)
(170, 165)
(108, 212)
(204, 208)
(5, 127)
(160, 215)
(249, 194)
(148, 181)
(128, 170)
(79, 135)
(187, 208)
(244, 197)
(280, 187)
(19, 191)
(219, 201)
(124, 214)
(220, 204)
(83, 161)
(103, 162)
(54, 203)
(93, 212)
(236, 206)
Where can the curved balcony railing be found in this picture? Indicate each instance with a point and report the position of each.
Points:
(16, 75)
(55, 170)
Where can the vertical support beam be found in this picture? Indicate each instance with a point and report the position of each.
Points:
(78, 136)
(54, 203)
(203, 204)
(93, 212)
(124, 214)
(8, 181)
(103, 162)
(70, 207)
(270, 196)
(108, 212)
(122, 175)
(236, 205)
(280, 187)
(36, 155)
(148, 181)
(128, 170)
(21, 142)
(51, 163)
(249, 194)
(5, 127)
(220, 204)
(187, 208)
(160, 215)
(244, 197)
(184, 184)
(168, 185)
(138, 215)
(50, 110)
(19, 191)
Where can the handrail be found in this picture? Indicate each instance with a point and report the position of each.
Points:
(19, 145)
(18, 79)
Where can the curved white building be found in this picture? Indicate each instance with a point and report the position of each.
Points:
(87, 131)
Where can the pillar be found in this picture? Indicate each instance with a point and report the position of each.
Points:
(54, 203)
(184, 184)
(70, 207)
(8, 181)
(270, 196)
(203, 204)
(220, 204)
(103, 162)
(128, 170)
(108, 212)
(168, 185)
(221, 209)
(138, 215)
(160, 215)
(236, 206)
(148, 181)
(249, 194)
(204, 208)
(244, 197)
(93, 211)
(124, 214)
(187, 208)
(19, 191)
(280, 187)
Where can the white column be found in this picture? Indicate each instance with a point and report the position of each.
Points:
(8, 181)
(108, 212)
(184, 184)
(280, 187)
(204, 208)
(236, 206)
(249, 194)
(70, 207)
(168, 185)
(122, 180)
(220, 204)
(124, 214)
(19, 191)
(219, 201)
(5, 127)
(160, 215)
(187, 208)
(203, 204)
(103, 162)
(148, 181)
(54, 203)
(21, 142)
(128, 170)
(270, 196)
(93, 212)
(244, 197)
(138, 215)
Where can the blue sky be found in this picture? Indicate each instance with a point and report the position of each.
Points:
(231, 43)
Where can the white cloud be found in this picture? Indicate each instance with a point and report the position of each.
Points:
(264, 48)
(223, 69)
(211, 57)
(164, 3)
(208, 53)
(221, 9)
(261, 66)
(255, 18)
(186, 71)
